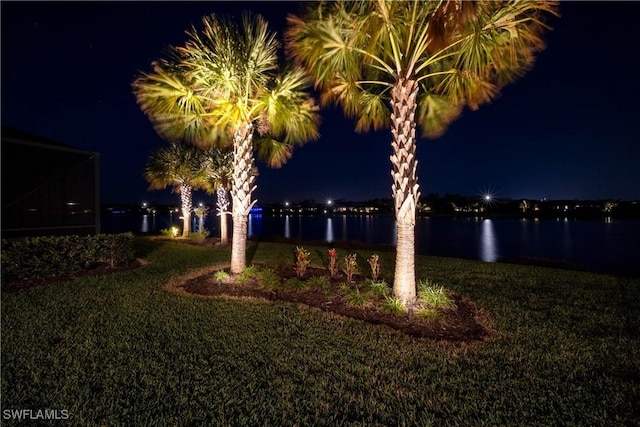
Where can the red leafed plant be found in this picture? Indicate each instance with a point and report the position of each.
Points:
(302, 261)
(333, 262)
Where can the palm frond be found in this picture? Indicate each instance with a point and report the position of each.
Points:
(274, 153)
(175, 165)
(436, 113)
(174, 106)
(464, 52)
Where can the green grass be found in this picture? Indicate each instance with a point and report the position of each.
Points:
(120, 350)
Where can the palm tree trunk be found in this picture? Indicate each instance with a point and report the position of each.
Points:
(241, 190)
(222, 203)
(187, 205)
(405, 185)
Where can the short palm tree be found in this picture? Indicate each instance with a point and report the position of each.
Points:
(225, 82)
(400, 64)
(179, 166)
(219, 166)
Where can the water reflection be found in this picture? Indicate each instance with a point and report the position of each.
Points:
(566, 238)
(287, 227)
(145, 224)
(255, 225)
(488, 243)
(329, 233)
(607, 245)
(344, 228)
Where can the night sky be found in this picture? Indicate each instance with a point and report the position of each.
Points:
(568, 130)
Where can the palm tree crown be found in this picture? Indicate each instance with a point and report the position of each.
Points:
(181, 167)
(399, 64)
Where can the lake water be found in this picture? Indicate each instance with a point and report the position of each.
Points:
(608, 246)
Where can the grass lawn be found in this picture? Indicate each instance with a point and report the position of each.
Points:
(120, 350)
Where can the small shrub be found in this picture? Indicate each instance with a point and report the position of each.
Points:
(350, 266)
(355, 298)
(200, 235)
(114, 249)
(221, 276)
(333, 262)
(302, 261)
(296, 284)
(249, 274)
(374, 262)
(47, 255)
(378, 288)
(434, 296)
(171, 233)
(394, 305)
(319, 283)
(269, 279)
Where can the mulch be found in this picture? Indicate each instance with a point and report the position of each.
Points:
(466, 323)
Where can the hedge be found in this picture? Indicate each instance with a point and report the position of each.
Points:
(47, 255)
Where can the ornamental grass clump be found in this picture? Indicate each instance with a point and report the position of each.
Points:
(269, 279)
(302, 261)
(378, 288)
(296, 284)
(350, 266)
(249, 274)
(374, 262)
(221, 276)
(354, 297)
(333, 262)
(434, 296)
(319, 283)
(394, 305)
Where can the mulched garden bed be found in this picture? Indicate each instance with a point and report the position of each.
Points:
(466, 323)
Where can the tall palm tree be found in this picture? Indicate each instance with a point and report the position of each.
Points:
(179, 166)
(400, 64)
(225, 81)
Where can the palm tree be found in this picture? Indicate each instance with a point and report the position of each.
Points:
(403, 64)
(179, 166)
(224, 82)
(219, 175)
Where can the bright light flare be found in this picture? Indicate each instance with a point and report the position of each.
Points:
(488, 197)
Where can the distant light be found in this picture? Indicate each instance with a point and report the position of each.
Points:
(329, 202)
(488, 197)
(200, 204)
(144, 204)
(286, 203)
